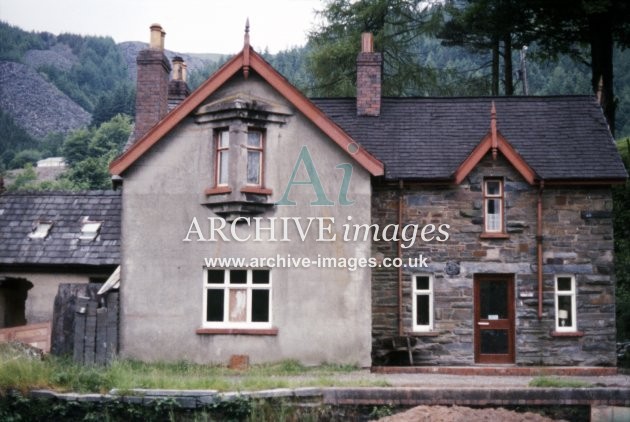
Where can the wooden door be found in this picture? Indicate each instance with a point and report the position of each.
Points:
(494, 318)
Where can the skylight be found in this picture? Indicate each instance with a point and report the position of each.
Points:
(89, 229)
(40, 230)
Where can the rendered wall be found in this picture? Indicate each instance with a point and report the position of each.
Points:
(322, 315)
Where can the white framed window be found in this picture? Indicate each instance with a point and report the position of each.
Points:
(254, 157)
(422, 306)
(89, 229)
(565, 303)
(222, 154)
(237, 298)
(40, 230)
(493, 205)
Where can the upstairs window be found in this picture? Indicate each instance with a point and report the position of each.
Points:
(565, 295)
(493, 206)
(223, 163)
(40, 230)
(254, 157)
(89, 229)
(237, 298)
(422, 303)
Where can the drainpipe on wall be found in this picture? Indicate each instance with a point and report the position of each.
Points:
(539, 246)
(399, 254)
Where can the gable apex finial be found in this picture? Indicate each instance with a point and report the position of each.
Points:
(246, 50)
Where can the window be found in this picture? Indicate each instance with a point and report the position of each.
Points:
(422, 303)
(237, 298)
(254, 157)
(89, 229)
(493, 205)
(223, 149)
(40, 230)
(565, 304)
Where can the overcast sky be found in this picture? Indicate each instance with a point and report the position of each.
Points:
(192, 26)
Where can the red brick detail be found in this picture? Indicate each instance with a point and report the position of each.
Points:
(369, 84)
(218, 190)
(257, 190)
(239, 362)
(498, 370)
(241, 331)
(151, 90)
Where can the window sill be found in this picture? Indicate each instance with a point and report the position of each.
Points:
(257, 190)
(494, 235)
(218, 190)
(422, 333)
(238, 331)
(567, 334)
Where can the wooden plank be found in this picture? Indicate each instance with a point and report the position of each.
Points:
(101, 336)
(90, 333)
(112, 325)
(79, 330)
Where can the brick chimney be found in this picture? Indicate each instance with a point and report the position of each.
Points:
(177, 88)
(152, 84)
(369, 69)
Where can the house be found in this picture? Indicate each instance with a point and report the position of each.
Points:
(368, 230)
(51, 238)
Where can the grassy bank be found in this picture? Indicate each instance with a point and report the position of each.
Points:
(24, 373)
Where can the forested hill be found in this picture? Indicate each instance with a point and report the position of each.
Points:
(53, 84)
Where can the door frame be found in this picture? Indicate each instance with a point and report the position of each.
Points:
(508, 323)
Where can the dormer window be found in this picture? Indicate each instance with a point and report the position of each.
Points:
(40, 230)
(89, 229)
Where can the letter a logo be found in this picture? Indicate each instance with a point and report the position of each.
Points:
(313, 180)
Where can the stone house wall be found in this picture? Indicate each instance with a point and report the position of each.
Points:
(577, 241)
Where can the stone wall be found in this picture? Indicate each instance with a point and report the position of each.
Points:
(578, 241)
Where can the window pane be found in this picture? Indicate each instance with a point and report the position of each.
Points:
(254, 139)
(260, 277)
(223, 167)
(238, 305)
(493, 215)
(216, 276)
(493, 299)
(260, 305)
(422, 310)
(565, 315)
(494, 342)
(214, 305)
(422, 283)
(224, 139)
(238, 276)
(564, 283)
(253, 167)
(493, 187)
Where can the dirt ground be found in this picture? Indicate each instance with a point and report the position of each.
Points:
(462, 414)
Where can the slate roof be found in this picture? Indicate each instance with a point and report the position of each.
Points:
(20, 211)
(563, 137)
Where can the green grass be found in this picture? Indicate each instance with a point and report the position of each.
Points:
(558, 383)
(22, 373)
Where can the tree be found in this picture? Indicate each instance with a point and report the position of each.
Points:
(75, 147)
(561, 26)
(493, 26)
(111, 136)
(397, 26)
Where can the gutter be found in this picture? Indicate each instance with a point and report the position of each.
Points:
(399, 254)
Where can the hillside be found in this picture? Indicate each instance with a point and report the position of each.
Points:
(35, 104)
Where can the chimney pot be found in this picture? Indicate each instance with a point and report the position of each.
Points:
(157, 37)
(367, 42)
